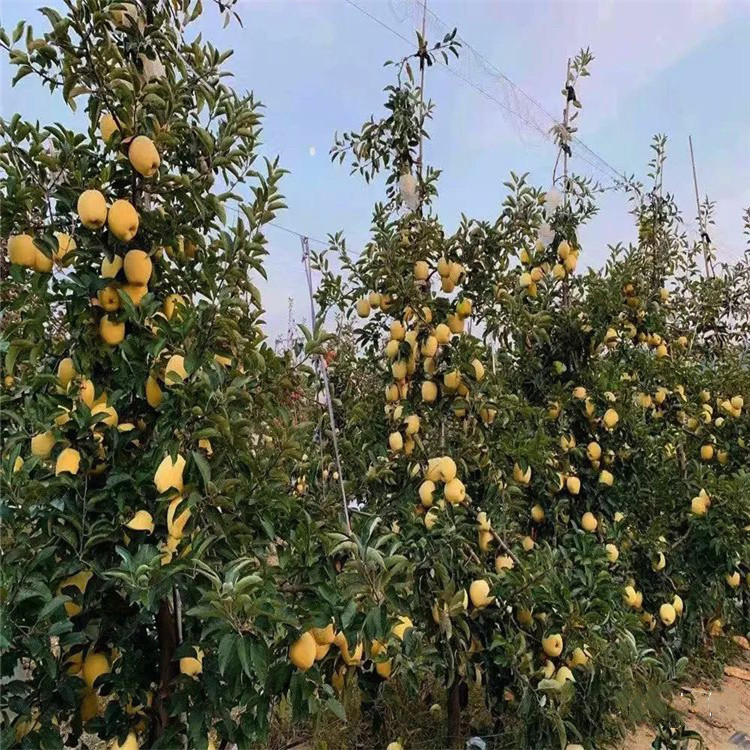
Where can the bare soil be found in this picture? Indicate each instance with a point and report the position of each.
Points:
(721, 715)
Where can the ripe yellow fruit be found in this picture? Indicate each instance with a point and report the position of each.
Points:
(395, 441)
(112, 332)
(136, 292)
(527, 543)
(384, 668)
(421, 270)
(606, 478)
(395, 745)
(463, 308)
(429, 347)
(94, 666)
(86, 392)
(478, 370)
(169, 474)
(451, 380)
(171, 305)
(612, 552)
(442, 334)
(192, 665)
(110, 268)
(153, 392)
(175, 371)
(323, 636)
(397, 330)
(42, 263)
(399, 370)
(138, 267)
(564, 675)
(633, 598)
(412, 423)
(92, 209)
(374, 299)
(143, 156)
(108, 298)
(66, 371)
(107, 127)
(141, 521)
(123, 220)
(537, 513)
(455, 324)
(391, 349)
(707, 452)
(430, 519)
(18, 464)
(479, 593)
(553, 645)
(487, 415)
(22, 250)
(302, 651)
(69, 461)
(455, 271)
(594, 451)
(579, 658)
(659, 562)
(589, 522)
(733, 579)
(699, 505)
(611, 418)
(111, 417)
(573, 484)
(678, 604)
(667, 614)
(363, 308)
(62, 418)
(131, 743)
(579, 393)
(42, 444)
(454, 491)
(503, 563)
(400, 628)
(426, 491)
(521, 476)
(715, 627)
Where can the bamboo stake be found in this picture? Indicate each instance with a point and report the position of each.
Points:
(326, 386)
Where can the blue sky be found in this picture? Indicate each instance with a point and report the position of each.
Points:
(674, 67)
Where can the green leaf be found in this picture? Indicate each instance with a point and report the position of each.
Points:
(203, 467)
(226, 648)
(52, 606)
(337, 709)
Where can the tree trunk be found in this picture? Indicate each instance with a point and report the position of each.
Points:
(454, 714)
(166, 630)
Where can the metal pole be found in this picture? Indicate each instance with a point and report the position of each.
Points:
(421, 85)
(700, 214)
(326, 387)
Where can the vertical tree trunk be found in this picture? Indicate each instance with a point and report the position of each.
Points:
(454, 714)
(166, 631)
